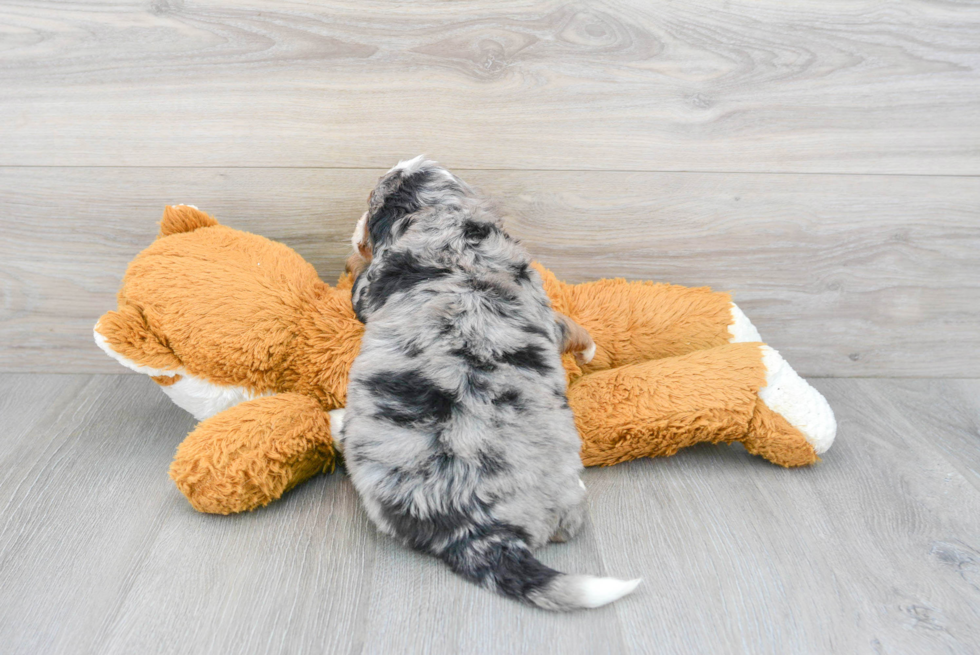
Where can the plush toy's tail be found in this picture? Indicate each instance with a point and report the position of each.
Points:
(183, 218)
(501, 561)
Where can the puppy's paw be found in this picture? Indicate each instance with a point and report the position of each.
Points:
(576, 340)
(337, 428)
(585, 356)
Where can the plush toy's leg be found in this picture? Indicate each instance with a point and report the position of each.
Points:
(655, 408)
(252, 453)
(633, 322)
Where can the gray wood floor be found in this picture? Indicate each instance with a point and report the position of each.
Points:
(876, 549)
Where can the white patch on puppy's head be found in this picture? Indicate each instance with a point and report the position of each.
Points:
(408, 166)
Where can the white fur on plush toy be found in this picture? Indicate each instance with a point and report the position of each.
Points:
(741, 328)
(803, 406)
(194, 395)
(786, 392)
(101, 342)
(204, 399)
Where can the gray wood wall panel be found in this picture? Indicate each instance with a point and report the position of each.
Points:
(773, 85)
(874, 549)
(847, 275)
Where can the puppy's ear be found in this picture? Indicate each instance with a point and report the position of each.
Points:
(395, 197)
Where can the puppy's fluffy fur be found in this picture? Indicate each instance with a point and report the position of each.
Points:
(457, 434)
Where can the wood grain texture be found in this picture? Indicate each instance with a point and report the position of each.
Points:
(875, 549)
(772, 85)
(846, 275)
(101, 554)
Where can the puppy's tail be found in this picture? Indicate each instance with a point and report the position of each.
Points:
(502, 561)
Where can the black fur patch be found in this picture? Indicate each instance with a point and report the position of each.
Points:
(494, 297)
(491, 289)
(360, 302)
(400, 272)
(437, 529)
(522, 272)
(475, 232)
(398, 204)
(510, 397)
(412, 349)
(503, 559)
(447, 326)
(537, 329)
(529, 357)
(561, 395)
(410, 397)
(440, 463)
(492, 462)
(473, 360)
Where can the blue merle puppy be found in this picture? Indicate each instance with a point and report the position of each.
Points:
(457, 432)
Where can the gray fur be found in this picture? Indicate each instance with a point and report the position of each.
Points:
(458, 435)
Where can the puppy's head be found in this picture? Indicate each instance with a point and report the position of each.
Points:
(410, 187)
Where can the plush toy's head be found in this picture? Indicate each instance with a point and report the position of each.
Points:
(220, 316)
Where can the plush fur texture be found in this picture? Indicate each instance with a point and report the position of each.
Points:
(262, 447)
(458, 434)
(236, 310)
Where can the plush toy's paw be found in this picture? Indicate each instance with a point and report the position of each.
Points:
(803, 407)
(249, 455)
(786, 393)
(769, 435)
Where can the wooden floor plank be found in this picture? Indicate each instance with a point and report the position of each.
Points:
(292, 578)
(858, 553)
(774, 85)
(418, 596)
(84, 494)
(945, 415)
(846, 275)
(874, 549)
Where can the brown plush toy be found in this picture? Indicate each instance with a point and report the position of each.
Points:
(241, 332)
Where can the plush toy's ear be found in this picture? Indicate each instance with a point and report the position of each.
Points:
(183, 218)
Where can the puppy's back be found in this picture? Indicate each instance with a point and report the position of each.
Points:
(458, 434)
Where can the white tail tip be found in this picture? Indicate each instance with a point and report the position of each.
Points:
(597, 592)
